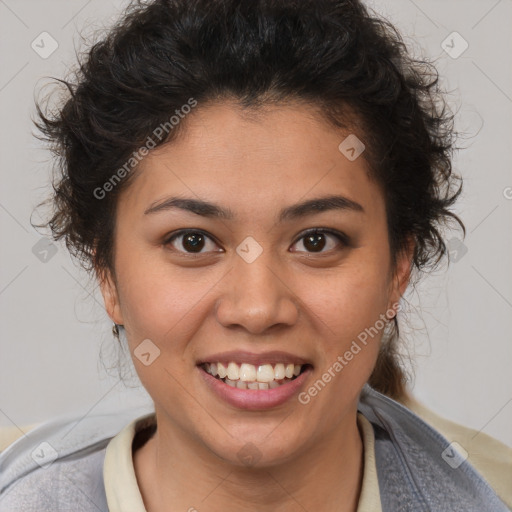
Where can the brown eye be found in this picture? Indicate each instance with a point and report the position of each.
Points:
(317, 239)
(189, 241)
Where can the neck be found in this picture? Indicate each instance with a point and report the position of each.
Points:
(173, 468)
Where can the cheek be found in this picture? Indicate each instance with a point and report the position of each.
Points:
(349, 305)
(162, 304)
(159, 300)
(352, 298)
(349, 334)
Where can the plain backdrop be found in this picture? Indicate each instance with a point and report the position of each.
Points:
(55, 337)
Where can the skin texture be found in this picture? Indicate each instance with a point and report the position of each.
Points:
(310, 302)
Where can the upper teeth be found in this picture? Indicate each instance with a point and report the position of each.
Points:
(250, 373)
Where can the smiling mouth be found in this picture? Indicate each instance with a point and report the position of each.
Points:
(249, 376)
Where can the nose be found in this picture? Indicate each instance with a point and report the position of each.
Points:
(257, 296)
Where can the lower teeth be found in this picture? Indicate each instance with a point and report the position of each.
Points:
(255, 385)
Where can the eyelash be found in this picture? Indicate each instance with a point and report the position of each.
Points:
(341, 237)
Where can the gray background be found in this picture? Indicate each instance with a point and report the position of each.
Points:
(55, 339)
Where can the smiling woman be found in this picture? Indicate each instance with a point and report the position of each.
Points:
(255, 257)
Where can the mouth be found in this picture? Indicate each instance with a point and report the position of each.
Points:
(255, 376)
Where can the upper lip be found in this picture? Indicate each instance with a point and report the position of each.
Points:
(239, 357)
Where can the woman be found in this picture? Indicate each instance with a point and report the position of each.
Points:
(255, 185)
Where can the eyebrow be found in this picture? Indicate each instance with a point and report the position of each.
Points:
(299, 210)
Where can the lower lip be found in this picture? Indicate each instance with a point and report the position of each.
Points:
(255, 399)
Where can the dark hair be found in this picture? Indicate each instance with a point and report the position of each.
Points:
(353, 67)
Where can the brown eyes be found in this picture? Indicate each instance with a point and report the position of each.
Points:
(193, 241)
(315, 240)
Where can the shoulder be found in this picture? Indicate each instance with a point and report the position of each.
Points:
(58, 466)
(420, 464)
(74, 483)
(490, 457)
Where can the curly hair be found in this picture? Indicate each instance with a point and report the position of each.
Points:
(330, 54)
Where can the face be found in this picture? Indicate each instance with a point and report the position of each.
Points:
(253, 279)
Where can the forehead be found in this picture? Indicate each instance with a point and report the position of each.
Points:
(273, 155)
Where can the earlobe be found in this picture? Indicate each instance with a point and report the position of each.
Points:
(403, 271)
(110, 296)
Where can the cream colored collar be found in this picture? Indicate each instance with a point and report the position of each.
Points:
(122, 490)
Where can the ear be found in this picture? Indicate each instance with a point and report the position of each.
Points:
(402, 272)
(110, 295)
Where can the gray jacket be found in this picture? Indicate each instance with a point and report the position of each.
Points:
(418, 471)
